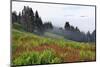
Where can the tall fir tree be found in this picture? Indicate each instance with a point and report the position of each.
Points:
(27, 19)
(67, 26)
(14, 17)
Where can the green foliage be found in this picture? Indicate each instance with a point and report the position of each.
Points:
(14, 47)
(87, 55)
(22, 39)
(45, 57)
(52, 35)
(56, 60)
(49, 57)
(17, 26)
(26, 58)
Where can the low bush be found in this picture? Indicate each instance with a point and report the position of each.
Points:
(45, 57)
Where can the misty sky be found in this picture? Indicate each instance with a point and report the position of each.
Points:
(81, 16)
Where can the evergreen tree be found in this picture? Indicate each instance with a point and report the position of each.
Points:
(19, 18)
(14, 17)
(38, 23)
(27, 19)
(48, 25)
(88, 36)
(67, 26)
(93, 36)
(36, 14)
(72, 28)
(77, 29)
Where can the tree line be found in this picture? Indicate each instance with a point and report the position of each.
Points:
(77, 35)
(70, 27)
(30, 20)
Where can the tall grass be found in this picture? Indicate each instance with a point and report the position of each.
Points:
(22, 39)
(87, 55)
(34, 57)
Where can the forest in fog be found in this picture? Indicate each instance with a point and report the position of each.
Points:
(32, 22)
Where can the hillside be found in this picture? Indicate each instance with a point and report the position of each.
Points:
(29, 48)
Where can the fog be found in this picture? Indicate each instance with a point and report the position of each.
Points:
(81, 16)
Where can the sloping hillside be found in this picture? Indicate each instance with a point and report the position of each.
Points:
(29, 48)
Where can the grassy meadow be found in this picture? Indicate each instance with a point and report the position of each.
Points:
(29, 48)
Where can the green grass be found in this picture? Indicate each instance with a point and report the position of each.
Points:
(87, 55)
(25, 38)
(44, 57)
(17, 26)
(52, 35)
(22, 39)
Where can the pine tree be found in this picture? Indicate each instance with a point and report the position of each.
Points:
(19, 18)
(27, 19)
(88, 36)
(48, 25)
(14, 17)
(67, 26)
(38, 23)
(93, 36)
(77, 29)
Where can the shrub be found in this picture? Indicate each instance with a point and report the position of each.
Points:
(87, 55)
(44, 57)
(48, 57)
(26, 58)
